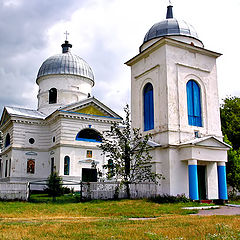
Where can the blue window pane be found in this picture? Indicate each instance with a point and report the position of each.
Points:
(148, 107)
(194, 104)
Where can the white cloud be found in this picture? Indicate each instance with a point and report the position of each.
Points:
(108, 33)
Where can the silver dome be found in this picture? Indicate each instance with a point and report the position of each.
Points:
(66, 63)
(170, 27)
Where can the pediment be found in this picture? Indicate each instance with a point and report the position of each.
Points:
(5, 117)
(209, 141)
(91, 106)
(92, 109)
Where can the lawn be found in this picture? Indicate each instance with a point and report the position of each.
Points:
(111, 220)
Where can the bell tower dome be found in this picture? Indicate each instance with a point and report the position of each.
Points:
(63, 79)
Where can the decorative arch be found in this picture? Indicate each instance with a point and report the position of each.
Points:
(194, 103)
(89, 135)
(148, 107)
(66, 165)
(52, 96)
(7, 140)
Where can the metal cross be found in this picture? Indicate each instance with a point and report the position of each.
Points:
(66, 33)
(170, 2)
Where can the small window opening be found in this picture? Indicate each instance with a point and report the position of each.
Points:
(7, 140)
(52, 96)
(31, 140)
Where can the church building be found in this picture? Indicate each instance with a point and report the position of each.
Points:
(64, 133)
(174, 97)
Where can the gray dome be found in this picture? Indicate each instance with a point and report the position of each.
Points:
(170, 27)
(66, 63)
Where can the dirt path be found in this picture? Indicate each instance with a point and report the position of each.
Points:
(223, 210)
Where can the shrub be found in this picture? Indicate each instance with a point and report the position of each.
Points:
(165, 198)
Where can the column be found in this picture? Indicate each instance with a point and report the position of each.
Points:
(193, 180)
(222, 181)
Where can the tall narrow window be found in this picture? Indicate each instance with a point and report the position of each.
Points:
(52, 95)
(52, 165)
(194, 104)
(9, 170)
(66, 165)
(6, 168)
(7, 140)
(148, 107)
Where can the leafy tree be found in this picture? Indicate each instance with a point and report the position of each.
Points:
(233, 168)
(230, 119)
(54, 184)
(128, 153)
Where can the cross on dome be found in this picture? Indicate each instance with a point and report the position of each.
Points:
(66, 33)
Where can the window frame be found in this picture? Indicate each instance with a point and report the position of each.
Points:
(148, 106)
(194, 103)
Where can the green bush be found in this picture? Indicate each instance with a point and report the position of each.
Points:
(165, 198)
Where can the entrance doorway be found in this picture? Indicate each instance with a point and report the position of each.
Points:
(201, 170)
(89, 175)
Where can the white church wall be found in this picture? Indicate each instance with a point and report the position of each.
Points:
(79, 159)
(169, 67)
(151, 68)
(200, 67)
(212, 181)
(70, 89)
(19, 164)
(178, 174)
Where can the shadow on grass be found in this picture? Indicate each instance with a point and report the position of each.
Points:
(45, 198)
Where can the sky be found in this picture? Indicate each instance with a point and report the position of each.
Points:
(105, 33)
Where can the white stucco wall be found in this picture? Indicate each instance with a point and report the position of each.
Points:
(70, 89)
(168, 67)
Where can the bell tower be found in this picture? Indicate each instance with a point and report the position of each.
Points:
(174, 92)
(174, 96)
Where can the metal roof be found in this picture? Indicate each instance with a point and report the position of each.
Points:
(170, 27)
(66, 63)
(25, 112)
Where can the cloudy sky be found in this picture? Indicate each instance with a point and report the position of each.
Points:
(106, 33)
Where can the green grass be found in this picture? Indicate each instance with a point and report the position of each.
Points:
(110, 220)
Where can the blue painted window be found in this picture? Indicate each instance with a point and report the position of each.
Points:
(194, 104)
(7, 140)
(66, 165)
(89, 135)
(148, 106)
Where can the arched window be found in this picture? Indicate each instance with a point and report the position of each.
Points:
(148, 107)
(52, 95)
(66, 165)
(194, 104)
(7, 140)
(89, 135)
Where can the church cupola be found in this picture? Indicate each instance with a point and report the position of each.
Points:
(172, 28)
(63, 79)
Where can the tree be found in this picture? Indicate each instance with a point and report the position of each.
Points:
(230, 119)
(128, 153)
(233, 168)
(54, 184)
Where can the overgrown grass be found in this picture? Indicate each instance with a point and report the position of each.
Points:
(110, 220)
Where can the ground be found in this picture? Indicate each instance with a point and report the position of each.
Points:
(112, 220)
